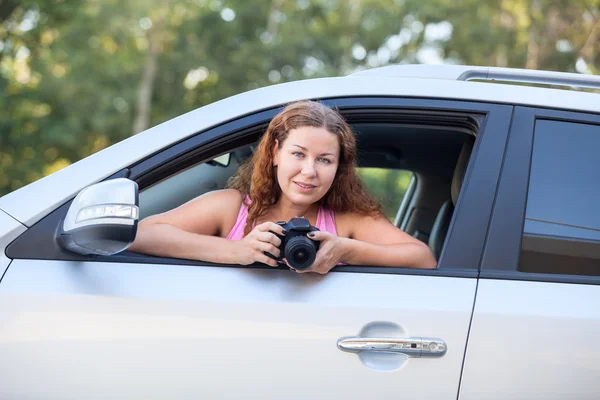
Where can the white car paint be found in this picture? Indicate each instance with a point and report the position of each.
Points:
(10, 229)
(466, 73)
(113, 330)
(533, 340)
(116, 330)
(28, 207)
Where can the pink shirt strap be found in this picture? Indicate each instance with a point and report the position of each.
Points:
(325, 222)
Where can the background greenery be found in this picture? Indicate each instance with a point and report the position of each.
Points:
(387, 185)
(77, 76)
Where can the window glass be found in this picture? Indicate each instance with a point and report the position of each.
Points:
(388, 186)
(562, 221)
(190, 183)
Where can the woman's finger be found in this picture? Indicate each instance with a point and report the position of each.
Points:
(319, 235)
(265, 259)
(270, 227)
(268, 248)
(301, 271)
(269, 237)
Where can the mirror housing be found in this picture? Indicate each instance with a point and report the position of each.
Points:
(102, 219)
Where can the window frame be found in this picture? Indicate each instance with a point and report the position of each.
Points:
(463, 248)
(503, 243)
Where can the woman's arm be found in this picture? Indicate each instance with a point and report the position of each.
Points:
(376, 241)
(165, 240)
(197, 231)
(414, 255)
(191, 231)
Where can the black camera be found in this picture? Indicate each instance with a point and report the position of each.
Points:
(299, 251)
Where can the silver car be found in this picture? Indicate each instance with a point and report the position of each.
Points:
(504, 187)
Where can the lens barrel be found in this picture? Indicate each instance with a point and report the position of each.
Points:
(300, 252)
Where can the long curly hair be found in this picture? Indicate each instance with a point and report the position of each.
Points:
(257, 179)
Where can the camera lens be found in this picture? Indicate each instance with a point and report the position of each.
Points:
(300, 256)
(300, 252)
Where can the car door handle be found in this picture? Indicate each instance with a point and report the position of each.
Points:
(412, 347)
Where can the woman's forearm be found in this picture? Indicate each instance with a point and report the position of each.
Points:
(414, 255)
(168, 241)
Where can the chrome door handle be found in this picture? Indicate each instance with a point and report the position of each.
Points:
(412, 347)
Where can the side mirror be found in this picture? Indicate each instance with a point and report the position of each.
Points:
(102, 219)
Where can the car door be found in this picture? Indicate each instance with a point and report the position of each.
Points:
(536, 321)
(135, 326)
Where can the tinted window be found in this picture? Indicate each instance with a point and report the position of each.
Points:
(561, 233)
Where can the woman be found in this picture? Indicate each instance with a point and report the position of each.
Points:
(304, 166)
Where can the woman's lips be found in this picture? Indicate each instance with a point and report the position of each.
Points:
(304, 187)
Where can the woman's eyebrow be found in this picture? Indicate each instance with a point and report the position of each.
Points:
(302, 147)
(305, 149)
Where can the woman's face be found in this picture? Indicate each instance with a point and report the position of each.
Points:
(306, 164)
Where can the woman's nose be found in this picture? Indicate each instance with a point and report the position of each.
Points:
(308, 168)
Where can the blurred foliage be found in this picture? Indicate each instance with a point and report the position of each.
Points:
(388, 186)
(77, 76)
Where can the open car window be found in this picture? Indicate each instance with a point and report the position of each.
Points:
(390, 157)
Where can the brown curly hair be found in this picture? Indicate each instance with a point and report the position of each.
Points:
(256, 178)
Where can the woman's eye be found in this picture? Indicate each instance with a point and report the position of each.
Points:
(325, 160)
(298, 154)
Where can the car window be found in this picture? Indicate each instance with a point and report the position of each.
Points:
(191, 183)
(388, 186)
(561, 233)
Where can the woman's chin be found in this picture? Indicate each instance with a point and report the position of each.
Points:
(303, 199)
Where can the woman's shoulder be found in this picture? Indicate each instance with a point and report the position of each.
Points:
(228, 200)
(224, 202)
(229, 194)
(217, 209)
(343, 223)
(207, 214)
(224, 196)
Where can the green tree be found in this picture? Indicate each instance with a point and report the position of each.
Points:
(77, 76)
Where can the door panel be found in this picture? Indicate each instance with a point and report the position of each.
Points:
(533, 340)
(107, 330)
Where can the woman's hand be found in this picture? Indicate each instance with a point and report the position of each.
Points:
(331, 251)
(261, 239)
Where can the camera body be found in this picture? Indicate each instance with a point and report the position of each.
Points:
(298, 250)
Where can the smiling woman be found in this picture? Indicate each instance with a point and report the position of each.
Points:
(304, 166)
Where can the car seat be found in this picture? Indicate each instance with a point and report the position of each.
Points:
(441, 224)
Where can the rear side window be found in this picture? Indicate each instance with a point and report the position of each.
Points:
(561, 233)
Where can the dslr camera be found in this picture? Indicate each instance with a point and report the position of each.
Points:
(299, 250)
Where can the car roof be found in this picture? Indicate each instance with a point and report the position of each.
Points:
(468, 73)
(35, 200)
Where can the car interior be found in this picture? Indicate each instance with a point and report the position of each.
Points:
(436, 154)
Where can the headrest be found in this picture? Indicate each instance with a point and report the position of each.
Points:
(461, 167)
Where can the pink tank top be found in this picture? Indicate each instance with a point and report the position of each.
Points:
(325, 222)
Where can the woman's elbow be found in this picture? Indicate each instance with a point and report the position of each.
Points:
(425, 258)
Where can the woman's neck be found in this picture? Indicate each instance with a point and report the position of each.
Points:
(285, 210)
